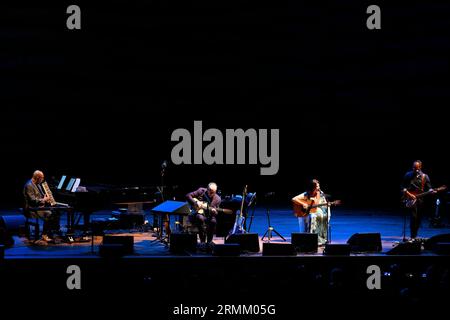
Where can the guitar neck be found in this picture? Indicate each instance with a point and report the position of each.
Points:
(320, 205)
(420, 195)
(244, 194)
(423, 194)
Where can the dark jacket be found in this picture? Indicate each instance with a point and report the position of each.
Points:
(201, 195)
(32, 196)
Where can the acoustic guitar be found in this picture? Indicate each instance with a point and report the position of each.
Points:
(202, 208)
(301, 211)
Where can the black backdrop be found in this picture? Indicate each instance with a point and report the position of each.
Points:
(101, 102)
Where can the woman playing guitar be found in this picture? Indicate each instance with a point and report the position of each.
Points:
(312, 210)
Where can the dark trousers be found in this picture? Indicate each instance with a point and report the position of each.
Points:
(206, 226)
(50, 218)
(416, 216)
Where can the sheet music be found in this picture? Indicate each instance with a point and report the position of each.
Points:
(76, 184)
(61, 182)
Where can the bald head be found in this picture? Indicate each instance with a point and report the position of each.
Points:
(212, 189)
(38, 176)
(417, 166)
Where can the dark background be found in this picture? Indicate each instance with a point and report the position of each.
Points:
(354, 106)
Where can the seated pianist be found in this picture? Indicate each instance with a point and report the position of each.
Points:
(35, 197)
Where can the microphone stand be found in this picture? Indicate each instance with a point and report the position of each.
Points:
(252, 203)
(328, 240)
(270, 229)
(161, 188)
(162, 223)
(404, 224)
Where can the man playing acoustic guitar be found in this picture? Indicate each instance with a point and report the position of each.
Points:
(205, 203)
(313, 211)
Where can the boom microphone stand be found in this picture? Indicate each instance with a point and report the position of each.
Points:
(161, 218)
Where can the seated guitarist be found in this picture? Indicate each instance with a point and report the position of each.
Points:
(316, 221)
(205, 202)
(415, 182)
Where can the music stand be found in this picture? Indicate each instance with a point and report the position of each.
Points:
(169, 208)
(270, 229)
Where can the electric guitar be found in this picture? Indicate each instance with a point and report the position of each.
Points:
(409, 202)
(301, 211)
(240, 219)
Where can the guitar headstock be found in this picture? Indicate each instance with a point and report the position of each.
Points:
(336, 202)
(441, 188)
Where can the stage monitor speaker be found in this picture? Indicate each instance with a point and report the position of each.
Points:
(305, 242)
(365, 242)
(182, 242)
(406, 248)
(9, 226)
(337, 249)
(14, 224)
(127, 242)
(442, 248)
(249, 242)
(227, 249)
(430, 243)
(6, 239)
(173, 207)
(278, 249)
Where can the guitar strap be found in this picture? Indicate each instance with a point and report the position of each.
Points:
(423, 182)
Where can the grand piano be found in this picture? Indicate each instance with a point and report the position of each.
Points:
(91, 198)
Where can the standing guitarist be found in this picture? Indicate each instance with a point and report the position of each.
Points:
(205, 202)
(415, 182)
(312, 216)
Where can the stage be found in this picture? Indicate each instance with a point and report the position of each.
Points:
(161, 280)
(344, 224)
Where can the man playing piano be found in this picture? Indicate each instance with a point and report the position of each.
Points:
(35, 197)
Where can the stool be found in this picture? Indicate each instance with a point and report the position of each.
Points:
(31, 222)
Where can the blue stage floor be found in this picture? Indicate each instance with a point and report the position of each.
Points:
(344, 223)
